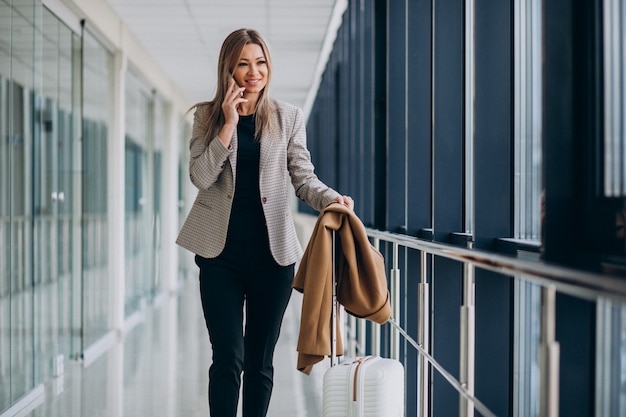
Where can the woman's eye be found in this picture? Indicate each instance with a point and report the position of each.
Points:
(242, 64)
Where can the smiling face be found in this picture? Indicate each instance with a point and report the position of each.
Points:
(251, 71)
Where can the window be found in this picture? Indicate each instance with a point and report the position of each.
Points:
(527, 119)
(614, 98)
(97, 93)
(528, 190)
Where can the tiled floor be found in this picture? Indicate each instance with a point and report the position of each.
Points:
(161, 368)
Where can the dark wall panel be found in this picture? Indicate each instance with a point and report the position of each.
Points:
(419, 114)
(493, 199)
(396, 115)
(448, 117)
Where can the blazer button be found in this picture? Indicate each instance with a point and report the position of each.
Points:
(264, 200)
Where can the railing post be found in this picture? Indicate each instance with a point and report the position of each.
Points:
(466, 408)
(423, 333)
(353, 336)
(375, 336)
(361, 344)
(549, 356)
(395, 304)
(376, 339)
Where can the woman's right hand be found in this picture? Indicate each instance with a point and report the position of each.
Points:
(234, 96)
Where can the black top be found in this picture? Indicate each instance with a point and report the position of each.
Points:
(247, 196)
(247, 238)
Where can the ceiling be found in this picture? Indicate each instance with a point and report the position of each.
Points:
(185, 36)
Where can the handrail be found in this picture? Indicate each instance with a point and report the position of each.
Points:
(576, 282)
(551, 277)
(455, 384)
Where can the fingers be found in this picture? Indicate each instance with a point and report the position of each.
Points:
(232, 99)
(234, 90)
(235, 94)
(346, 201)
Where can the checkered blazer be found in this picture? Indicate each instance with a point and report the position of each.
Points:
(213, 168)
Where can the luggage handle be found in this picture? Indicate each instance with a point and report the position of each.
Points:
(335, 306)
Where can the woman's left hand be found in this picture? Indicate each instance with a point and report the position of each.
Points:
(346, 201)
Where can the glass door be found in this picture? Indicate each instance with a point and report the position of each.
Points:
(160, 129)
(139, 199)
(97, 98)
(54, 196)
(18, 61)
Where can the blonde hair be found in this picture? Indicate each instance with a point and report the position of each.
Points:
(231, 51)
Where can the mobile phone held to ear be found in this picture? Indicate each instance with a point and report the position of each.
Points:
(237, 86)
(232, 77)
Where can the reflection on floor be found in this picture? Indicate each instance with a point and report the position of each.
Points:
(161, 370)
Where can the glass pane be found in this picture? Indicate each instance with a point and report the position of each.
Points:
(161, 127)
(614, 98)
(185, 258)
(97, 90)
(138, 199)
(528, 119)
(621, 370)
(5, 211)
(527, 128)
(611, 359)
(469, 117)
(24, 17)
(5, 242)
(53, 194)
(526, 352)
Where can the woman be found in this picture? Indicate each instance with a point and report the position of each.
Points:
(240, 227)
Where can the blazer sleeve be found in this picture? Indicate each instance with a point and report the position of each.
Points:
(206, 162)
(308, 186)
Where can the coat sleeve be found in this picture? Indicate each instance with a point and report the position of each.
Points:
(206, 162)
(308, 186)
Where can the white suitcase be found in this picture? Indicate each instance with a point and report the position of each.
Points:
(366, 387)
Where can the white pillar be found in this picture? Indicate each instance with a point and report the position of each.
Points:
(171, 155)
(116, 192)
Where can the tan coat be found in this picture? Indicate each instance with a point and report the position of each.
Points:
(213, 169)
(361, 282)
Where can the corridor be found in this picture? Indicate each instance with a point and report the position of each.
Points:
(160, 369)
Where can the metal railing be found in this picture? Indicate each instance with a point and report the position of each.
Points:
(551, 278)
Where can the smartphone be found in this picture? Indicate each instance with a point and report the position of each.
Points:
(232, 77)
(236, 84)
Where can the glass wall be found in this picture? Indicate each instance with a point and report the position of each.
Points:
(40, 128)
(57, 97)
(17, 86)
(138, 196)
(97, 109)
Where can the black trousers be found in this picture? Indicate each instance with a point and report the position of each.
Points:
(245, 274)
